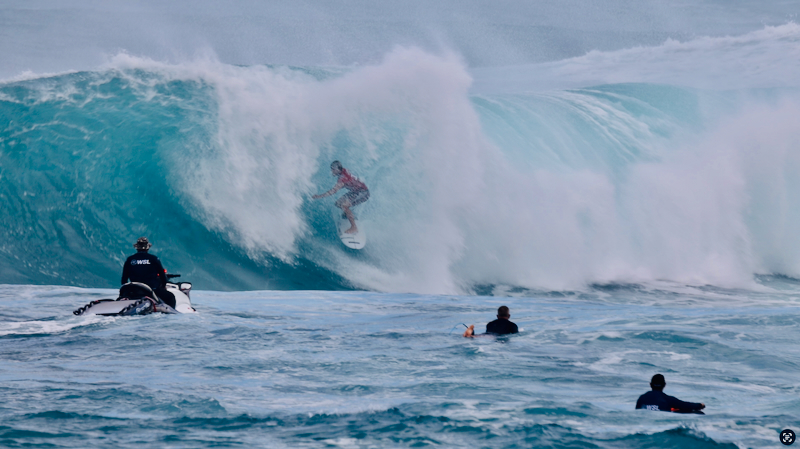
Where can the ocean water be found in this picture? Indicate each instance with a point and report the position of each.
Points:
(623, 176)
(361, 369)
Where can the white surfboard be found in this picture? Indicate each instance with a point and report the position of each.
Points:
(353, 241)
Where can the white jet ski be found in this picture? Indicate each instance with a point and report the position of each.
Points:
(139, 299)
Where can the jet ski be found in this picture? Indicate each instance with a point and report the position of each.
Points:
(136, 298)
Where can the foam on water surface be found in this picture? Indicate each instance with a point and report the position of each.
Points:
(289, 369)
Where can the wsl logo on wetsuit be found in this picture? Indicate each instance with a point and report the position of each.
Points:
(140, 262)
(787, 436)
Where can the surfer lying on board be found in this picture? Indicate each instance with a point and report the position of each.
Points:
(358, 193)
(501, 326)
(658, 400)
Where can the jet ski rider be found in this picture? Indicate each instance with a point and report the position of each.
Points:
(147, 269)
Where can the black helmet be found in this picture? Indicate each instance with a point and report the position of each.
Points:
(142, 244)
(336, 164)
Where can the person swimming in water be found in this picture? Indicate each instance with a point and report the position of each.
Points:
(501, 326)
(658, 400)
(358, 193)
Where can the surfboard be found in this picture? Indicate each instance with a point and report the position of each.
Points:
(353, 241)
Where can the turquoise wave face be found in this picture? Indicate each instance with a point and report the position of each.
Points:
(88, 165)
(216, 165)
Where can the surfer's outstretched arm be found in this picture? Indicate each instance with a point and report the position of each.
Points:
(330, 192)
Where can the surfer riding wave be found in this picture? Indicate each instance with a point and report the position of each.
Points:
(357, 194)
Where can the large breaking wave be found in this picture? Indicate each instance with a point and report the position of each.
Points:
(547, 189)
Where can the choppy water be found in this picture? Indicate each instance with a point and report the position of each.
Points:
(359, 369)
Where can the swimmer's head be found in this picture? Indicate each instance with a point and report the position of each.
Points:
(658, 382)
(503, 312)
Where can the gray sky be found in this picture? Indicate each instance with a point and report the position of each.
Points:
(53, 35)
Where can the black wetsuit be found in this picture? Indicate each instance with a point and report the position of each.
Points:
(658, 400)
(146, 268)
(501, 326)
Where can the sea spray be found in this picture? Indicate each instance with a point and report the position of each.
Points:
(614, 183)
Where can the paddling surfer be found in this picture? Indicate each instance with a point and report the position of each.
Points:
(501, 326)
(658, 400)
(358, 193)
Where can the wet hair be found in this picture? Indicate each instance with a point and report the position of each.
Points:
(658, 382)
(503, 312)
(142, 244)
(336, 164)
